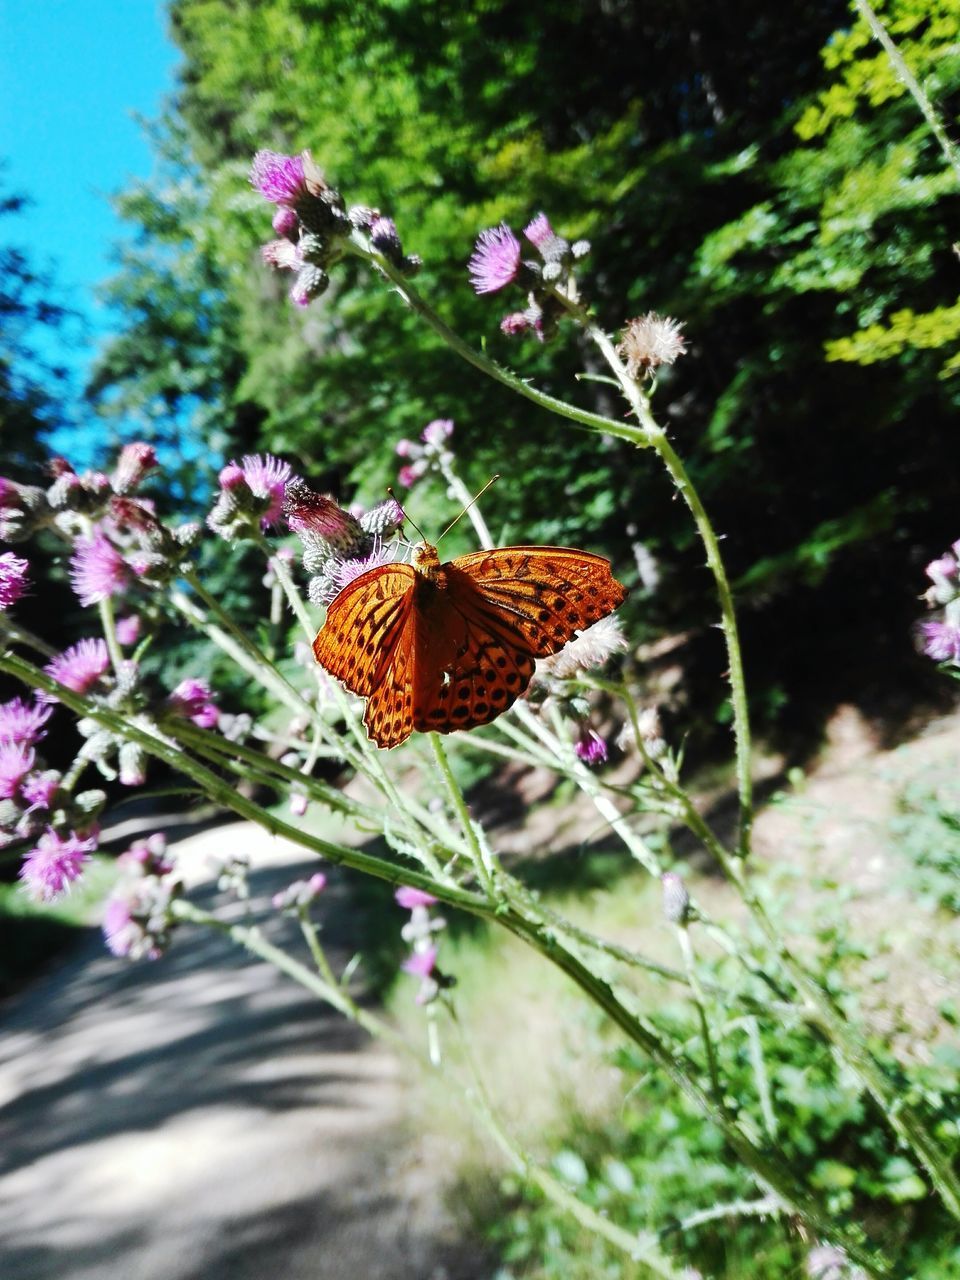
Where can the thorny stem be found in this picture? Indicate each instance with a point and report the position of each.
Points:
(912, 84)
(656, 437)
(413, 299)
(696, 990)
(483, 865)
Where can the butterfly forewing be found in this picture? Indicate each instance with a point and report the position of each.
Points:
(547, 594)
(364, 626)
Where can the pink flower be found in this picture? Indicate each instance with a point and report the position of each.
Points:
(97, 569)
(941, 641)
(285, 223)
(128, 630)
(267, 478)
(316, 516)
(16, 761)
(408, 898)
(539, 232)
(437, 431)
(55, 863)
(279, 178)
(496, 259)
(421, 963)
(409, 474)
(120, 930)
(23, 722)
(343, 572)
(135, 461)
(148, 856)
(40, 788)
(591, 748)
(300, 893)
(79, 667)
(13, 579)
(193, 700)
(231, 476)
(282, 254)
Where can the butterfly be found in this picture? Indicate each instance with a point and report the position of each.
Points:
(437, 647)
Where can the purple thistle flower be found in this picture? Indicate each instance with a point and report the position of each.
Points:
(408, 898)
(437, 431)
(231, 476)
(410, 472)
(941, 641)
(148, 856)
(97, 569)
(13, 579)
(539, 232)
(55, 863)
(40, 788)
(120, 930)
(282, 254)
(23, 722)
(279, 178)
(193, 700)
(285, 223)
(343, 572)
(79, 667)
(267, 478)
(496, 259)
(135, 461)
(128, 630)
(515, 323)
(300, 893)
(316, 516)
(16, 761)
(421, 963)
(591, 748)
(385, 238)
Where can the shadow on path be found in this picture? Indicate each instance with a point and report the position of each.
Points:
(202, 1116)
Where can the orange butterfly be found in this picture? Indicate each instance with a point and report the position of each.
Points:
(449, 646)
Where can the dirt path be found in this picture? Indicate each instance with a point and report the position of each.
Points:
(203, 1117)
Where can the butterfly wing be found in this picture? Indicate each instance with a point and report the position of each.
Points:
(504, 608)
(547, 594)
(364, 625)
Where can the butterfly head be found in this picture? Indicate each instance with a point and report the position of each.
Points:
(426, 560)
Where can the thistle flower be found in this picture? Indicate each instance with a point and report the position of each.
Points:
(16, 761)
(267, 478)
(496, 259)
(590, 747)
(137, 920)
(55, 863)
(408, 897)
(282, 254)
(941, 641)
(279, 178)
(133, 464)
(148, 855)
(128, 630)
(343, 572)
(13, 579)
(40, 789)
(591, 648)
(385, 238)
(650, 341)
(300, 893)
(539, 231)
(79, 667)
(421, 963)
(383, 519)
(320, 523)
(286, 223)
(23, 722)
(97, 569)
(193, 700)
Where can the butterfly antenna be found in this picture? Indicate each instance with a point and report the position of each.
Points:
(405, 516)
(471, 503)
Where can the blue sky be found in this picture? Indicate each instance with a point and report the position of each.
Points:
(73, 74)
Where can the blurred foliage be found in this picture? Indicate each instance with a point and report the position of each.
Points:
(926, 832)
(658, 1164)
(757, 172)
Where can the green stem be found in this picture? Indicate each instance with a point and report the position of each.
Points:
(13, 632)
(686, 950)
(582, 417)
(913, 86)
(481, 858)
(109, 625)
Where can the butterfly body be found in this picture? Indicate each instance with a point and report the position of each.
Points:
(438, 647)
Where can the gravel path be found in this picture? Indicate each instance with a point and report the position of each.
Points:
(204, 1117)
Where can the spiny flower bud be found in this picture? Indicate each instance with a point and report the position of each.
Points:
(676, 900)
(135, 462)
(383, 519)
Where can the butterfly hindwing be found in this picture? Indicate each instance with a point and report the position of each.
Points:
(364, 626)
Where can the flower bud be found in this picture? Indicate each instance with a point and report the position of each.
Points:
(676, 900)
